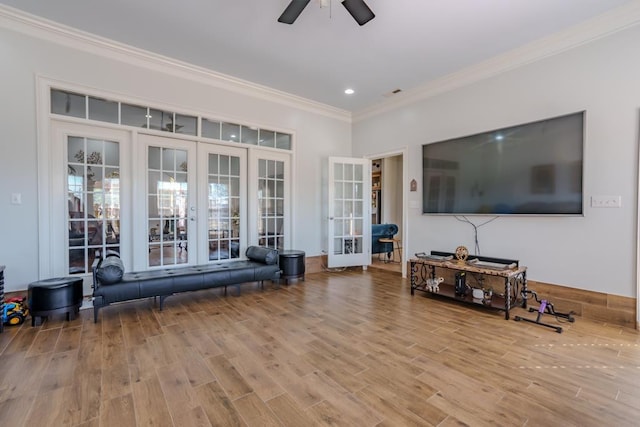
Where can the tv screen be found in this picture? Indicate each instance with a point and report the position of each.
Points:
(529, 169)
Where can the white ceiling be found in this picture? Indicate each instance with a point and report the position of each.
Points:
(407, 44)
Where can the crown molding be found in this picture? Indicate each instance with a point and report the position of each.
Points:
(596, 28)
(40, 28)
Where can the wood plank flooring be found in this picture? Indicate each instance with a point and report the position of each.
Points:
(344, 349)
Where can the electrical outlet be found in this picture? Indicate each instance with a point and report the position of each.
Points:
(606, 201)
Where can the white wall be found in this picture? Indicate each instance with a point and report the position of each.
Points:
(317, 135)
(595, 252)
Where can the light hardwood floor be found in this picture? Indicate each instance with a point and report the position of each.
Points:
(351, 348)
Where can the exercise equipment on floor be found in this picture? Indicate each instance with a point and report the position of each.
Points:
(545, 307)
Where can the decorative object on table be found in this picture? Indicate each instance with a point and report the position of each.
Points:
(461, 284)
(488, 293)
(477, 293)
(462, 253)
(433, 283)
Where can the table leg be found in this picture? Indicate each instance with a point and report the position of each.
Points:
(413, 277)
(524, 288)
(507, 297)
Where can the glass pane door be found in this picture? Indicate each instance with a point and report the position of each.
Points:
(224, 214)
(93, 200)
(168, 205)
(271, 201)
(349, 212)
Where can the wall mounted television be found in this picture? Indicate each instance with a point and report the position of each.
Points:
(529, 169)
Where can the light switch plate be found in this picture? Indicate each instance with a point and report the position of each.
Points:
(606, 201)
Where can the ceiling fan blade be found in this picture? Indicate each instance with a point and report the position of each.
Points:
(359, 10)
(292, 11)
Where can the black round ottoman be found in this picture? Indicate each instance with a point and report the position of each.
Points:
(52, 296)
(292, 264)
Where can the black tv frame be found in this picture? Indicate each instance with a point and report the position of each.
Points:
(554, 185)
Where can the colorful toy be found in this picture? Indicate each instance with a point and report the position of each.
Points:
(15, 311)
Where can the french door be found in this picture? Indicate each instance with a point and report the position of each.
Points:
(270, 190)
(349, 212)
(158, 201)
(83, 204)
(222, 200)
(169, 196)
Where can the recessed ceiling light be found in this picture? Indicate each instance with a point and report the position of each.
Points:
(349, 91)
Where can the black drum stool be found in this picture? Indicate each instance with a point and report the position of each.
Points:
(292, 265)
(52, 296)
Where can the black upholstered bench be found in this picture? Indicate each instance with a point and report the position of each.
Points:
(52, 296)
(112, 284)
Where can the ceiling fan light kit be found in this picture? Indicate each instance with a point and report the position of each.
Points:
(357, 8)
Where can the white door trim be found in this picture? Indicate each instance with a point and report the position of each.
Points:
(402, 152)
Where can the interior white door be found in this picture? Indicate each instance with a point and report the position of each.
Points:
(222, 203)
(84, 204)
(170, 201)
(349, 208)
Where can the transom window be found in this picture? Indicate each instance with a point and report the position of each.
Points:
(93, 108)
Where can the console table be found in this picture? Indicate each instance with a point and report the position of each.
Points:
(515, 280)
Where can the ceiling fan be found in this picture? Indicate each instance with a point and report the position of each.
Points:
(357, 8)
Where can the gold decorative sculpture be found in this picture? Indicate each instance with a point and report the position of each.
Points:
(462, 253)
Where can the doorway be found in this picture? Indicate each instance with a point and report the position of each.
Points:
(388, 195)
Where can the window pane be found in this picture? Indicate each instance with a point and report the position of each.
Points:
(68, 104)
(161, 120)
(262, 168)
(358, 173)
(249, 135)
(210, 129)
(348, 172)
(94, 151)
(133, 115)
(213, 163)
(230, 132)
(103, 110)
(154, 158)
(111, 154)
(267, 138)
(338, 172)
(283, 141)
(186, 124)
(235, 166)
(75, 150)
(224, 165)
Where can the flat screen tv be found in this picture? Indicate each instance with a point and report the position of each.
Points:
(528, 169)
